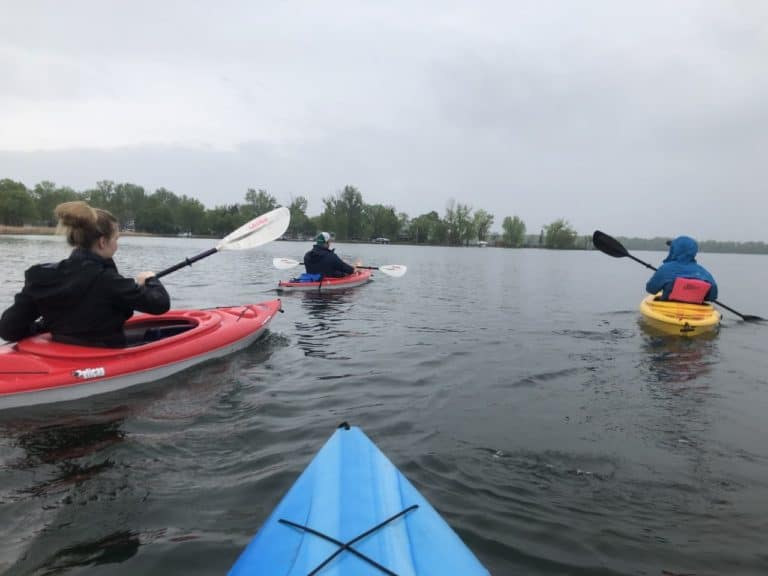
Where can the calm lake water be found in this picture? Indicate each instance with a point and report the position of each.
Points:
(515, 388)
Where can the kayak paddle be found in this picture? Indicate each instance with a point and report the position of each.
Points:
(262, 229)
(394, 270)
(609, 245)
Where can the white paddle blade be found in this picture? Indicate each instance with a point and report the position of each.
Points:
(259, 231)
(284, 263)
(394, 270)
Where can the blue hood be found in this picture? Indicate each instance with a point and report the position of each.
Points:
(682, 249)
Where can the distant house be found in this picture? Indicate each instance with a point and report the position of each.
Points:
(381, 240)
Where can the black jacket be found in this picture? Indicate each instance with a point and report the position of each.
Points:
(80, 298)
(321, 260)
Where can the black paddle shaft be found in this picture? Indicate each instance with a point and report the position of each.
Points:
(186, 262)
(641, 262)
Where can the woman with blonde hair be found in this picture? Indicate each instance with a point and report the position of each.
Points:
(82, 299)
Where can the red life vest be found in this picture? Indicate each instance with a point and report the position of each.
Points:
(689, 290)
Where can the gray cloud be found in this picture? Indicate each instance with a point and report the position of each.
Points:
(640, 120)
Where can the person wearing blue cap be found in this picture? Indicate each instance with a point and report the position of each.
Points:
(324, 261)
(680, 277)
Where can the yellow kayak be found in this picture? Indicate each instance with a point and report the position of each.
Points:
(679, 318)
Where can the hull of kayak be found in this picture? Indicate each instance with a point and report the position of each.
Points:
(344, 497)
(679, 318)
(359, 278)
(38, 370)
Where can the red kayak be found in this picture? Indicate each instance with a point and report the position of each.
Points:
(357, 279)
(38, 370)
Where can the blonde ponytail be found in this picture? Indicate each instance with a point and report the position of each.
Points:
(84, 225)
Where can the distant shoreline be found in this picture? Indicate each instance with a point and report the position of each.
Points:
(31, 230)
(51, 231)
(631, 244)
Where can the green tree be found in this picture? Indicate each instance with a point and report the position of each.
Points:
(316, 223)
(16, 204)
(427, 228)
(191, 216)
(154, 217)
(101, 196)
(224, 219)
(450, 222)
(460, 224)
(403, 223)
(418, 230)
(482, 222)
(380, 221)
(514, 231)
(343, 214)
(46, 197)
(259, 202)
(439, 231)
(559, 235)
(300, 224)
(125, 202)
(351, 204)
(159, 213)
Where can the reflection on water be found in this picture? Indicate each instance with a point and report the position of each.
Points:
(70, 450)
(679, 377)
(673, 359)
(56, 463)
(326, 314)
(67, 439)
(114, 548)
(550, 430)
(68, 493)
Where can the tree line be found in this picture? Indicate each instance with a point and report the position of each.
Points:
(345, 214)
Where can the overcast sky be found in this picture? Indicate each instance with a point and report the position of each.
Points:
(638, 118)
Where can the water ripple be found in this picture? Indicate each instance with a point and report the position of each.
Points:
(553, 432)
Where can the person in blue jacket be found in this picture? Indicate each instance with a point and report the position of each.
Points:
(680, 263)
(323, 261)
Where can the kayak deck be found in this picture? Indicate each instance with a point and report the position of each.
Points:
(679, 318)
(353, 512)
(39, 370)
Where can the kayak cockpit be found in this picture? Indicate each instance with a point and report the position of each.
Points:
(139, 333)
(152, 330)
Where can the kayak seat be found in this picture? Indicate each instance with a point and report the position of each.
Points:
(158, 333)
(689, 290)
(139, 333)
(132, 335)
(305, 277)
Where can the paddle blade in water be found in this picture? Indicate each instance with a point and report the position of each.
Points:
(260, 230)
(284, 263)
(608, 245)
(745, 317)
(394, 270)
